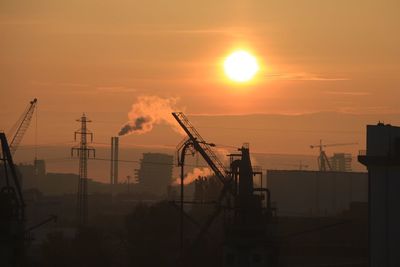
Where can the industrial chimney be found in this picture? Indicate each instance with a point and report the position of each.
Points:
(114, 161)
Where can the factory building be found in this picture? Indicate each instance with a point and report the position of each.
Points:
(382, 159)
(315, 193)
(155, 173)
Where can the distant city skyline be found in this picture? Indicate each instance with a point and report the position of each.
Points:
(335, 57)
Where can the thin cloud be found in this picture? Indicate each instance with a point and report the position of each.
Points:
(19, 22)
(116, 89)
(41, 83)
(303, 76)
(348, 93)
(89, 87)
(72, 84)
(232, 31)
(149, 30)
(368, 110)
(60, 84)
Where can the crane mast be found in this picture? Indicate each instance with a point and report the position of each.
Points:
(22, 126)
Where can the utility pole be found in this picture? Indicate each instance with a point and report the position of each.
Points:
(83, 152)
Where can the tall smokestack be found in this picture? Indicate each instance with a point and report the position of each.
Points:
(114, 161)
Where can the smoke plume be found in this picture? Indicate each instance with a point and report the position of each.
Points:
(148, 111)
(193, 175)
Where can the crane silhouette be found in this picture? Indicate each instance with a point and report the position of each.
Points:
(21, 126)
(323, 161)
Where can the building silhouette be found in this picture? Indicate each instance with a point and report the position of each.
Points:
(40, 167)
(382, 159)
(316, 193)
(341, 162)
(155, 173)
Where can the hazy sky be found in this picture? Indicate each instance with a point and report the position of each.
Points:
(98, 56)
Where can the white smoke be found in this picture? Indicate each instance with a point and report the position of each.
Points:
(193, 175)
(148, 111)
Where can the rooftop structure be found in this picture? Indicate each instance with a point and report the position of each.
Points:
(382, 159)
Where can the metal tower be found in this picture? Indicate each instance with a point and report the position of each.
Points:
(83, 152)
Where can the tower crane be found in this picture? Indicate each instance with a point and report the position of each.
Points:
(21, 126)
(323, 161)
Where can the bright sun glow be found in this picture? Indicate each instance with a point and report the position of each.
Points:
(241, 66)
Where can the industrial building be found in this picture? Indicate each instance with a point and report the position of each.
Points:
(155, 173)
(382, 159)
(315, 193)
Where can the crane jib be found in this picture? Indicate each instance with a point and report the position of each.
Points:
(202, 147)
(23, 126)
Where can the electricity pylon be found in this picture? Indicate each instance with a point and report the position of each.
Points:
(84, 152)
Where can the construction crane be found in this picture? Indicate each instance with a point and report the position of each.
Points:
(12, 209)
(20, 127)
(200, 145)
(203, 147)
(323, 161)
(238, 189)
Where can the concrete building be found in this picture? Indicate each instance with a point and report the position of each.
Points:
(382, 159)
(155, 173)
(341, 162)
(315, 193)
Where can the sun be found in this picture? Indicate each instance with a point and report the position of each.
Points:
(241, 66)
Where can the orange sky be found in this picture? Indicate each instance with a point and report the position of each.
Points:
(98, 56)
